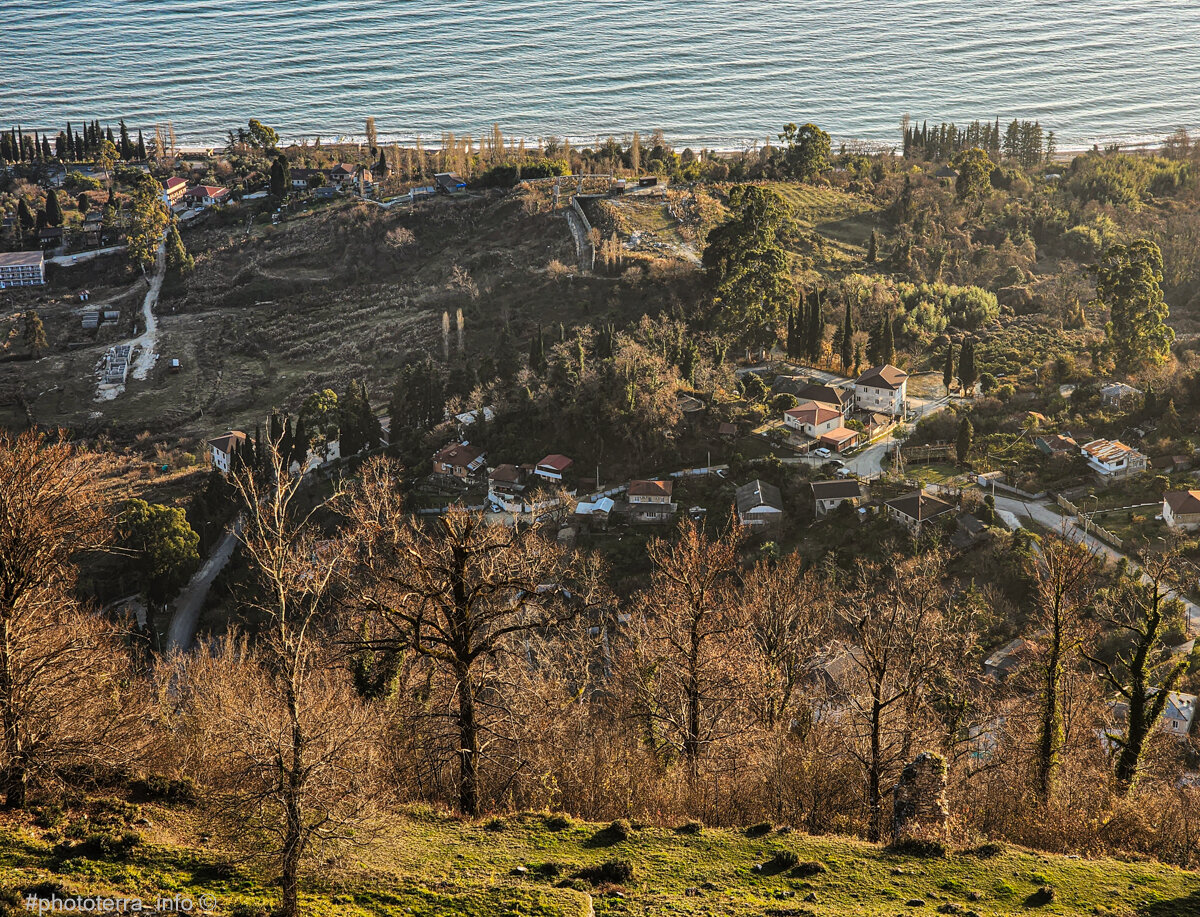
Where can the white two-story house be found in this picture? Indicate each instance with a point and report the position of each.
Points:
(882, 390)
(813, 418)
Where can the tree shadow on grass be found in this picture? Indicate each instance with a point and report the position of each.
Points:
(1188, 906)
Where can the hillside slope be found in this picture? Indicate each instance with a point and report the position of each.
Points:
(429, 864)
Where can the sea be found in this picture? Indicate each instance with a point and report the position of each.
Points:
(722, 74)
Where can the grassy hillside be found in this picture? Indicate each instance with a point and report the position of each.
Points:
(428, 864)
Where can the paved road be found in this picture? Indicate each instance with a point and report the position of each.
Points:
(186, 610)
(1046, 516)
(81, 257)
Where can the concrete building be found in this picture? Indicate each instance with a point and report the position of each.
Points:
(650, 501)
(760, 507)
(22, 269)
(813, 418)
(223, 448)
(1181, 510)
(916, 510)
(829, 495)
(1112, 458)
(882, 389)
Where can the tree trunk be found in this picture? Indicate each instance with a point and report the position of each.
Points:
(293, 790)
(1051, 734)
(468, 752)
(874, 776)
(14, 776)
(691, 737)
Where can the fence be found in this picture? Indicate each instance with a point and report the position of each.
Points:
(1089, 526)
(926, 453)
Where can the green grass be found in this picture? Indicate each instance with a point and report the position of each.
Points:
(427, 864)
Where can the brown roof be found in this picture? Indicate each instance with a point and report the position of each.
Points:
(1058, 443)
(825, 394)
(836, 490)
(506, 474)
(21, 259)
(208, 191)
(839, 435)
(458, 455)
(1183, 502)
(556, 462)
(651, 488)
(920, 506)
(887, 376)
(727, 429)
(228, 442)
(812, 412)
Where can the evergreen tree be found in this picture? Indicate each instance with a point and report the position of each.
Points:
(300, 440)
(125, 146)
(847, 339)
(873, 248)
(966, 436)
(967, 374)
(381, 168)
(24, 215)
(141, 147)
(54, 214)
(281, 180)
(1170, 426)
(1128, 282)
(179, 261)
(816, 327)
(948, 372)
(791, 333)
(887, 351)
(537, 352)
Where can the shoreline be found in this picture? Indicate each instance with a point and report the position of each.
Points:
(1133, 143)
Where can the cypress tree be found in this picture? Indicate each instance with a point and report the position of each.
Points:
(966, 436)
(966, 366)
(847, 340)
(54, 214)
(873, 248)
(791, 332)
(816, 326)
(300, 439)
(887, 350)
(948, 371)
(125, 146)
(141, 147)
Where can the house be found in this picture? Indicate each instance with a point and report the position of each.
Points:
(595, 513)
(806, 390)
(1181, 510)
(813, 418)
(1118, 395)
(22, 269)
(916, 510)
(1171, 463)
(839, 439)
(1004, 661)
(506, 479)
(173, 190)
(223, 448)
(969, 533)
(650, 501)
(449, 183)
(689, 404)
(459, 460)
(552, 467)
(206, 195)
(343, 173)
(51, 237)
(1178, 714)
(93, 226)
(883, 389)
(1112, 458)
(759, 506)
(829, 495)
(1056, 444)
(1177, 718)
(303, 179)
(727, 430)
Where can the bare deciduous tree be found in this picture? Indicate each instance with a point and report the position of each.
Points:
(66, 689)
(457, 593)
(291, 752)
(892, 618)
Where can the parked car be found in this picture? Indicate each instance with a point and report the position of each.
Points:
(822, 452)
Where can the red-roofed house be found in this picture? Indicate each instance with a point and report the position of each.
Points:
(553, 467)
(206, 195)
(459, 460)
(173, 190)
(650, 501)
(813, 418)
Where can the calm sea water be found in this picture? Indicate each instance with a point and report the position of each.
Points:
(716, 72)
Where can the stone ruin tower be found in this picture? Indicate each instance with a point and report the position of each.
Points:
(919, 810)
